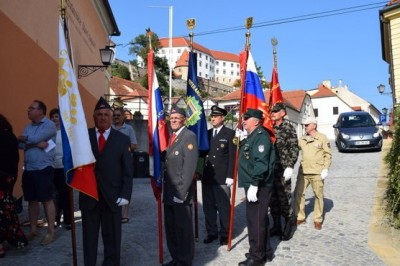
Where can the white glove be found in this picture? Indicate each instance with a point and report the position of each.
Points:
(240, 134)
(176, 200)
(228, 181)
(288, 173)
(121, 202)
(324, 174)
(252, 193)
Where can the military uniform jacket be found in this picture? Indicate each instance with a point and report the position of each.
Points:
(180, 165)
(256, 160)
(316, 153)
(286, 145)
(220, 157)
(113, 170)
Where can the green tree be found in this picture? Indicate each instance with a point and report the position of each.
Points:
(140, 48)
(121, 71)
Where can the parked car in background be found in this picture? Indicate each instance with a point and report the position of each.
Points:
(357, 131)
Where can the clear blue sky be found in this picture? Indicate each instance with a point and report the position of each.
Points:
(343, 47)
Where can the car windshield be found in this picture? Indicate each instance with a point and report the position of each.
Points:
(357, 121)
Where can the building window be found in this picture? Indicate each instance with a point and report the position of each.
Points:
(179, 51)
(217, 71)
(316, 112)
(199, 63)
(206, 75)
(200, 55)
(231, 73)
(200, 74)
(163, 51)
(217, 63)
(237, 65)
(206, 57)
(237, 74)
(224, 72)
(336, 110)
(223, 64)
(232, 65)
(206, 65)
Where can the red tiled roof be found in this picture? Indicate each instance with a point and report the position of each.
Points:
(127, 89)
(392, 2)
(323, 92)
(224, 56)
(183, 60)
(183, 42)
(293, 99)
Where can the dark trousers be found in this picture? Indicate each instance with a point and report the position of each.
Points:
(257, 224)
(281, 194)
(179, 233)
(62, 199)
(216, 202)
(110, 223)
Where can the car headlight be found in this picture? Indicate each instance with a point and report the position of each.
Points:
(345, 136)
(376, 134)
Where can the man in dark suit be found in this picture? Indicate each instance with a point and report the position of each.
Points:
(113, 172)
(180, 165)
(218, 177)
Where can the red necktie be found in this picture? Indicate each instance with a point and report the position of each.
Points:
(102, 140)
(172, 139)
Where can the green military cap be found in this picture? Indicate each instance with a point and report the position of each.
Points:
(253, 113)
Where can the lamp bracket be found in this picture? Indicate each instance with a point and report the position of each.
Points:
(86, 70)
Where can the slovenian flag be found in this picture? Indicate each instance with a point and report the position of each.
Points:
(78, 158)
(253, 95)
(157, 127)
(196, 120)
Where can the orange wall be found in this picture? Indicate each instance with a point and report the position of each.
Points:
(29, 52)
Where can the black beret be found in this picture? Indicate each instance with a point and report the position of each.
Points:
(102, 104)
(177, 110)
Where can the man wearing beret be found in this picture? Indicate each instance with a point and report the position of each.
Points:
(316, 158)
(113, 171)
(256, 175)
(287, 150)
(218, 177)
(180, 165)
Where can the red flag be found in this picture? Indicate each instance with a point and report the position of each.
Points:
(275, 95)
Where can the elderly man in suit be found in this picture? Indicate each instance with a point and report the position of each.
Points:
(113, 172)
(180, 165)
(218, 177)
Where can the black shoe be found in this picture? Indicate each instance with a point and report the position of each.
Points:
(287, 231)
(251, 262)
(268, 257)
(209, 239)
(223, 240)
(171, 263)
(275, 231)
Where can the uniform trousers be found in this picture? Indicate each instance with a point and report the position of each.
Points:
(281, 194)
(179, 233)
(216, 202)
(110, 222)
(303, 181)
(257, 224)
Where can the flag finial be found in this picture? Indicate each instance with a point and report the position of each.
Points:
(190, 24)
(274, 42)
(249, 24)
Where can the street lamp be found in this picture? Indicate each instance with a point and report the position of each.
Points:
(381, 89)
(106, 56)
(384, 110)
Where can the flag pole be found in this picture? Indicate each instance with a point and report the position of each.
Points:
(158, 199)
(190, 24)
(243, 60)
(70, 192)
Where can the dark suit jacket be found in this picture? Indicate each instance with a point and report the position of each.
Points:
(180, 165)
(220, 158)
(113, 170)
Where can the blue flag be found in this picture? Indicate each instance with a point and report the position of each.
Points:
(196, 119)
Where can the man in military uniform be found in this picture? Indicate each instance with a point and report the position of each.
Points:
(256, 166)
(180, 165)
(287, 151)
(316, 159)
(218, 177)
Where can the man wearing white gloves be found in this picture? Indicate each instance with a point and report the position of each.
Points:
(256, 166)
(113, 171)
(218, 177)
(315, 162)
(287, 151)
